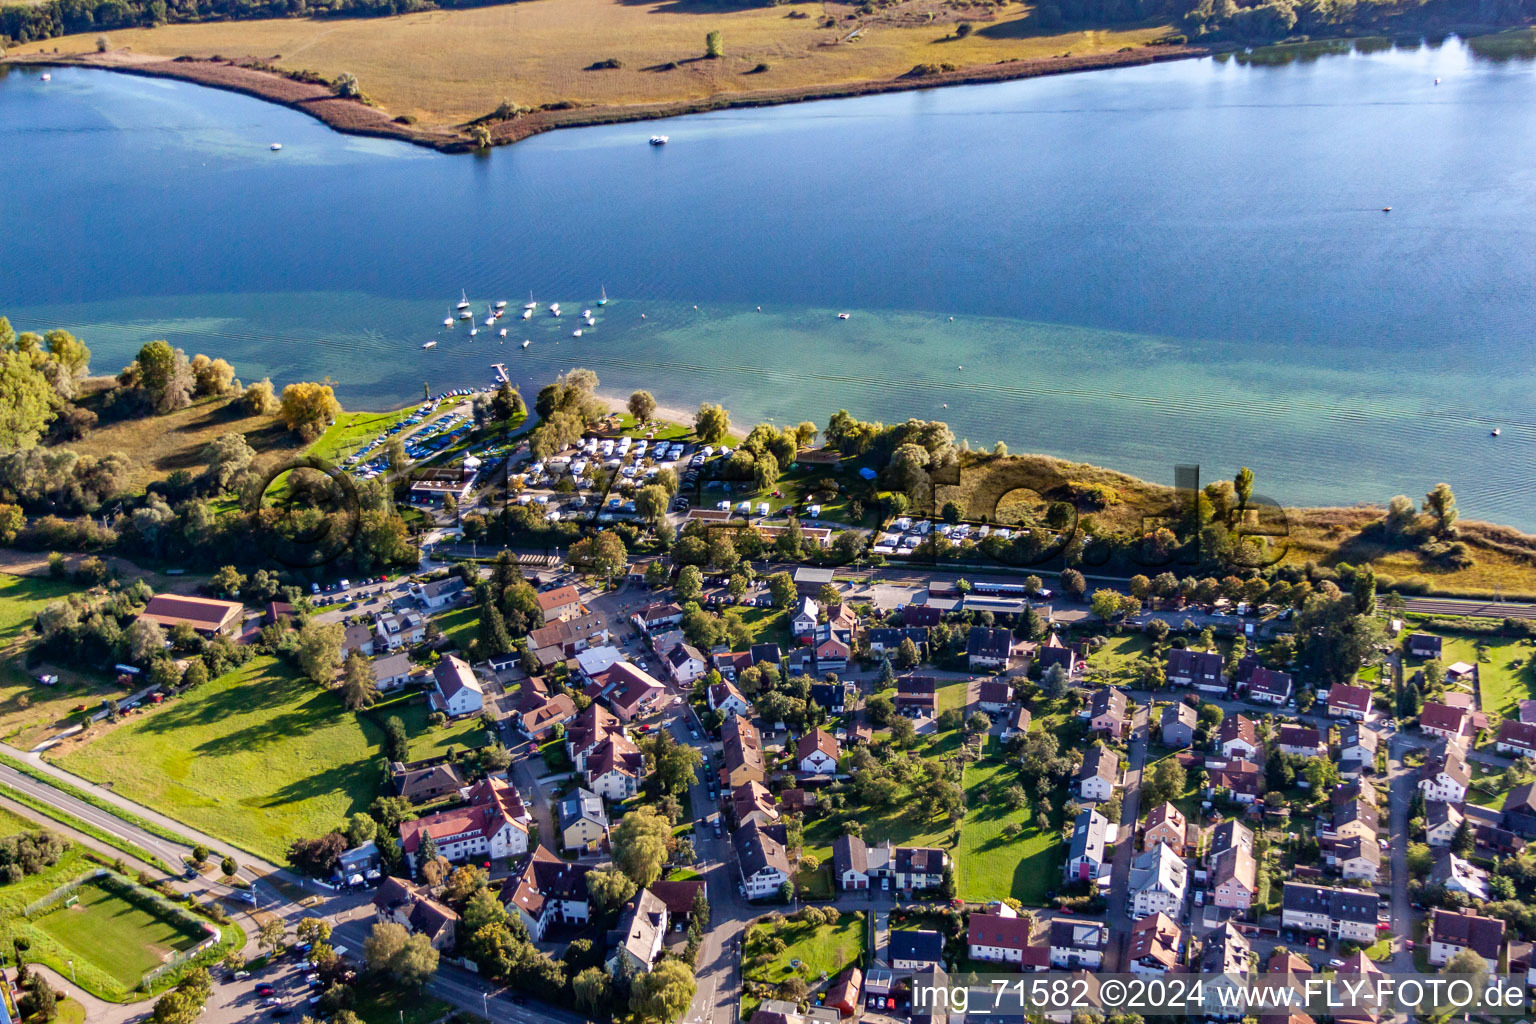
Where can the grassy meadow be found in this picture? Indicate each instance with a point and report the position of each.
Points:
(258, 758)
(446, 67)
(991, 867)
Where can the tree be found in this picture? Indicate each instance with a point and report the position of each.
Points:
(592, 988)
(319, 650)
(26, 401)
(211, 376)
(1106, 603)
(271, 934)
(713, 48)
(507, 403)
(1242, 486)
(1167, 781)
(782, 586)
(359, 687)
(409, 959)
(651, 503)
(1467, 961)
(1400, 516)
(603, 554)
(1054, 682)
(1440, 503)
(642, 406)
(711, 423)
(227, 456)
(1322, 774)
(664, 993)
(308, 408)
(229, 867)
(313, 929)
(690, 583)
(641, 843)
(1365, 591)
(609, 888)
(978, 722)
(1073, 584)
(166, 375)
(12, 519)
(259, 398)
(903, 731)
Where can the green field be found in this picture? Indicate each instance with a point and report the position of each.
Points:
(352, 430)
(121, 939)
(258, 758)
(1505, 676)
(1120, 656)
(990, 867)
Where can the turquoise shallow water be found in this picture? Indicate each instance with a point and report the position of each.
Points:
(1181, 263)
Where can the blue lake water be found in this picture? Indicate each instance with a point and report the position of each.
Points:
(1180, 263)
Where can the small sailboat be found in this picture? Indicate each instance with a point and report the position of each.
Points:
(602, 299)
(527, 313)
(490, 318)
(448, 322)
(576, 333)
(463, 299)
(501, 304)
(430, 344)
(474, 329)
(525, 343)
(530, 304)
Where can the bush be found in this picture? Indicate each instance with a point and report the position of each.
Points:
(759, 69)
(714, 49)
(611, 64)
(962, 30)
(102, 45)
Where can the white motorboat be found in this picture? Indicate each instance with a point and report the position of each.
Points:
(501, 304)
(465, 314)
(591, 322)
(276, 146)
(1496, 432)
(658, 140)
(47, 77)
(527, 313)
(587, 313)
(448, 321)
(576, 333)
(842, 316)
(503, 332)
(430, 344)
(554, 309)
(525, 343)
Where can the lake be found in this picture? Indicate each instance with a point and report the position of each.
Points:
(1182, 263)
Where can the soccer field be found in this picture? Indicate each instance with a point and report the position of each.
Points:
(118, 937)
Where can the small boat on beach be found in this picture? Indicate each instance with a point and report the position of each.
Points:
(602, 297)
(430, 344)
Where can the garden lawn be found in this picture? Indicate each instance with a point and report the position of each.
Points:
(122, 939)
(258, 758)
(991, 867)
(429, 741)
(901, 822)
(1120, 655)
(767, 625)
(1505, 678)
(460, 625)
(820, 948)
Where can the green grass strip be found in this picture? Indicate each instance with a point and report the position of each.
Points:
(94, 800)
(84, 827)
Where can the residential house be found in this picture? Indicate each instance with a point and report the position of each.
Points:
(1229, 835)
(926, 615)
(546, 892)
(392, 671)
(571, 636)
(397, 901)
(1078, 943)
(359, 638)
(399, 629)
(1203, 670)
(1516, 738)
(831, 654)
(559, 603)
(763, 860)
(727, 700)
(629, 690)
(1347, 914)
(1099, 774)
(1234, 878)
(742, 753)
(850, 863)
(685, 664)
(1165, 825)
(1225, 958)
(994, 695)
(1454, 725)
(583, 821)
(1106, 713)
(916, 868)
(493, 824)
(423, 782)
(751, 802)
(590, 727)
(642, 932)
(457, 692)
(845, 993)
(1347, 701)
(998, 938)
(1158, 880)
(1357, 818)
(678, 897)
(1358, 857)
(1239, 778)
(769, 653)
(988, 648)
(1424, 645)
(1178, 725)
(206, 616)
(615, 768)
(1442, 820)
(1519, 810)
(1301, 741)
(887, 639)
(833, 698)
(539, 720)
(1017, 723)
(817, 752)
(661, 615)
(1054, 652)
(1156, 943)
(915, 949)
(803, 622)
(731, 663)
(1452, 931)
(439, 593)
(919, 693)
(1358, 744)
(1239, 738)
(1458, 875)
(1268, 686)
(1445, 776)
(1085, 850)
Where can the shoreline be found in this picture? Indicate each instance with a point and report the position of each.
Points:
(351, 117)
